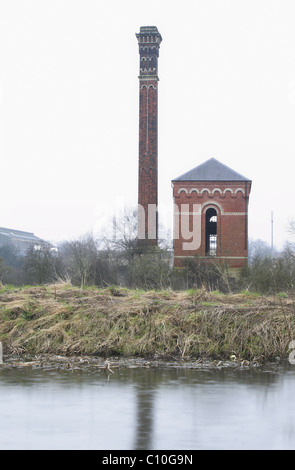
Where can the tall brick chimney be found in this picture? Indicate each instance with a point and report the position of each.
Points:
(149, 40)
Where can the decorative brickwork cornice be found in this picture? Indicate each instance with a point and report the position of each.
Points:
(200, 192)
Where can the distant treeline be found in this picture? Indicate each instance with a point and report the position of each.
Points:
(87, 261)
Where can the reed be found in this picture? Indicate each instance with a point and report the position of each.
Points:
(194, 324)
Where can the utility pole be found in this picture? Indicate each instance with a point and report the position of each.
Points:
(272, 235)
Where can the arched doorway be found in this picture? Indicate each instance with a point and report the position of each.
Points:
(211, 232)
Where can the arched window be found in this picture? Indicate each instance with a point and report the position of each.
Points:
(211, 232)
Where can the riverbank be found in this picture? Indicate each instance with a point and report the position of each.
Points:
(195, 327)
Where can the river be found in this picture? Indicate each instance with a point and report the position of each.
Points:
(148, 408)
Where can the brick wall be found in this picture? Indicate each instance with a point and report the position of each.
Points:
(230, 200)
(148, 150)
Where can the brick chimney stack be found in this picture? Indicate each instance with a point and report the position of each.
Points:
(149, 40)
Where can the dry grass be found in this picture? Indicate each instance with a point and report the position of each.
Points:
(61, 319)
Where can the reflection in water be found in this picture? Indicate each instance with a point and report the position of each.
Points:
(147, 409)
(145, 389)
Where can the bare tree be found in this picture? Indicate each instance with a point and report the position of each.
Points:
(259, 249)
(150, 270)
(39, 266)
(80, 259)
(291, 227)
(122, 235)
(2, 269)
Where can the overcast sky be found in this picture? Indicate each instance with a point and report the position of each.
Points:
(69, 107)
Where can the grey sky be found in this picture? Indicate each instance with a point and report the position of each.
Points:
(69, 106)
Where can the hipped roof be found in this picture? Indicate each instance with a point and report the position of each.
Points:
(211, 170)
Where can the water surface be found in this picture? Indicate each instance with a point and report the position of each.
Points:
(154, 408)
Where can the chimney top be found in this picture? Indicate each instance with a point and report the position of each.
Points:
(148, 31)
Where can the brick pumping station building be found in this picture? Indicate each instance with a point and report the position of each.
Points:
(210, 201)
